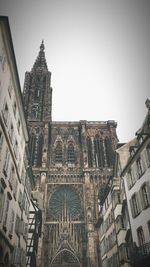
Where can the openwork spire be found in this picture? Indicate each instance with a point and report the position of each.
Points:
(40, 63)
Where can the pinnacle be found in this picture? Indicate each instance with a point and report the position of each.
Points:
(42, 47)
(40, 62)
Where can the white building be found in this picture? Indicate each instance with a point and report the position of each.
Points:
(136, 175)
(15, 183)
(107, 230)
(120, 208)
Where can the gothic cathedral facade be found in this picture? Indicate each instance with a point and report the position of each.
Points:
(71, 162)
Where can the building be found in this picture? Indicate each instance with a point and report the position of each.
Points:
(112, 221)
(136, 176)
(71, 162)
(106, 225)
(15, 172)
(120, 208)
(125, 204)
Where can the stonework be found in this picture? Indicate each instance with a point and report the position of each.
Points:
(72, 162)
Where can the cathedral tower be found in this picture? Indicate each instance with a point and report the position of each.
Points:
(37, 96)
(72, 162)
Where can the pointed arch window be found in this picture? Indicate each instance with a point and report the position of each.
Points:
(109, 151)
(71, 153)
(90, 156)
(58, 152)
(99, 151)
(36, 146)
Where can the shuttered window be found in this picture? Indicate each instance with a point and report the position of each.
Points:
(145, 193)
(2, 201)
(134, 204)
(140, 234)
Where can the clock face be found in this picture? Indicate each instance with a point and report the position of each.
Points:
(65, 204)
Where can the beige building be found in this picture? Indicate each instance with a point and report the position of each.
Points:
(15, 183)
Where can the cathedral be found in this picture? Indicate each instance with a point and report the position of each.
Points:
(72, 161)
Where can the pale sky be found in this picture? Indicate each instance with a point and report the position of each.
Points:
(98, 52)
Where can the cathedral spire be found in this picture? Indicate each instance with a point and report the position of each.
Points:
(40, 62)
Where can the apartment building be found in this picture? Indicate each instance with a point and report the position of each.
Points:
(107, 230)
(120, 208)
(136, 176)
(15, 172)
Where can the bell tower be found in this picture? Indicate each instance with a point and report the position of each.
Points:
(37, 95)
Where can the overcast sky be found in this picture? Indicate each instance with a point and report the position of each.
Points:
(98, 52)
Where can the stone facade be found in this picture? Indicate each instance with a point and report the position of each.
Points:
(72, 162)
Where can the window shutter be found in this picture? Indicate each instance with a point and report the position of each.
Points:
(2, 201)
(148, 191)
(138, 203)
(141, 198)
(132, 210)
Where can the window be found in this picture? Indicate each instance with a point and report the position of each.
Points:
(10, 88)
(140, 235)
(58, 152)
(145, 195)
(3, 60)
(130, 179)
(1, 139)
(135, 209)
(19, 163)
(148, 224)
(109, 151)
(14, 108)
(140, 167)
(15, 189)
(6, 163)
(90, 153)
(20, 198)
(148, 154)
(35, 111)
(6, 113)
(71, 156)
(2, 200)
(36, 149)
(16, 148)
(11, 132)
(18, 126)
(17, 225)
(99, 151)
(6, 212)
(11, 175)
(12, 220)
